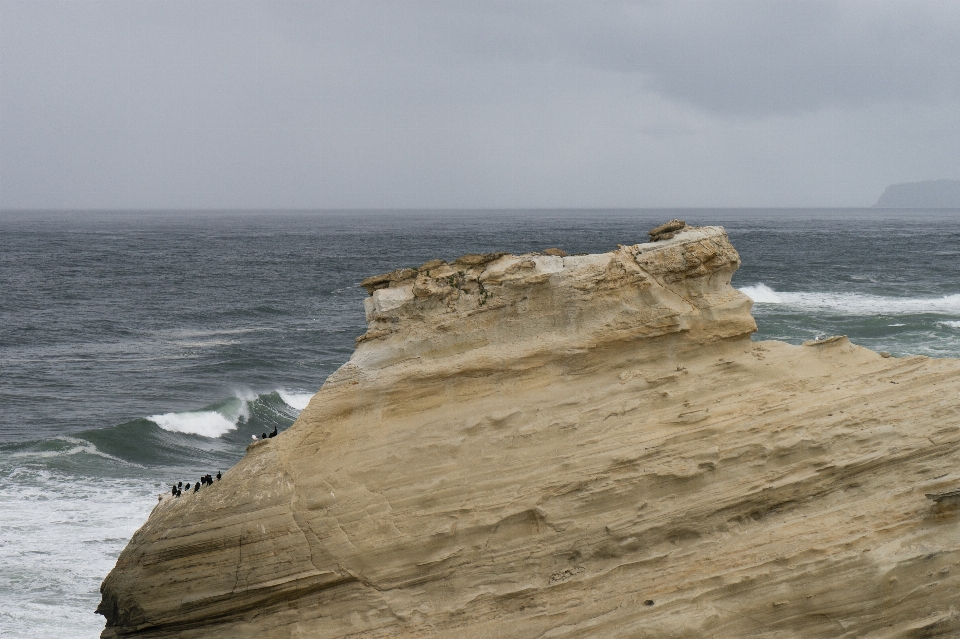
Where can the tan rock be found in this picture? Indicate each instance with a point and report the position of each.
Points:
(391, 279)
(666, 230)
(597, 449)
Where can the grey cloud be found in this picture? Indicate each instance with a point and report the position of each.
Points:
(759, 58)
(471, 104)
(749, 58)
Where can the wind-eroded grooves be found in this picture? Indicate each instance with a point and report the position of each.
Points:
(547, 446)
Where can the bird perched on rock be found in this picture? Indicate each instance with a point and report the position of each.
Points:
(218, 475)
(274, 433)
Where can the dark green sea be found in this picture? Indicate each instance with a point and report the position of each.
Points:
(143, 348)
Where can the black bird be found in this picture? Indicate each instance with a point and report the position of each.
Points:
(178, 493)
(263, 436)
(218, 475)
(187, 486)
(196, 487)
(179, 484)
(209, 480)
(174, 491)
(274, 433)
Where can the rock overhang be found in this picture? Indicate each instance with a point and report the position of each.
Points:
(633, 292)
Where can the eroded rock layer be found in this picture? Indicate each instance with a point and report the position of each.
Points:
(548, 446)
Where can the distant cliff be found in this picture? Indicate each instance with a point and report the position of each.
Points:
(929, 194)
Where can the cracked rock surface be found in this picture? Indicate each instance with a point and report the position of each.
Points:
(549, 446)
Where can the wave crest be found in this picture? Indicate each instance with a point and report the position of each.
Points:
(295, 399)
(219, 419)
(762, 294)
(855, 303)
(204, 423)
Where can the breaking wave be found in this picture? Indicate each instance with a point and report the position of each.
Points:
(855, 303)
(295, 399)
(213, 421)
(761, 294)
(218, 420)
(209, 438)
(203, 423)
(64, 445)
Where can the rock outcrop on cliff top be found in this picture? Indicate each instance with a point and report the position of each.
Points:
(547, 446)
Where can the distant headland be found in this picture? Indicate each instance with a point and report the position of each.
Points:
(929, 194)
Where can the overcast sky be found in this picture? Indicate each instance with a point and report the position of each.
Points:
(462, 104)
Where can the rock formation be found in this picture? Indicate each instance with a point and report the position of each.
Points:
(666, 230)
(545, 446)
(929, 194)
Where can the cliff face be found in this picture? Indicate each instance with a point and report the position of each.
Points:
(929, 194)
(544, 446)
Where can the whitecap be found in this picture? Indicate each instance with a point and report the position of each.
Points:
(295, 399)
(77, 446)
(761, 294)
(206, 423)
(241, 411)
(210, 423)
(41, 510)
(855, 303)
(951, 323)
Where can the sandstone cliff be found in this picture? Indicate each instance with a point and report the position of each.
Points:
(546, 446)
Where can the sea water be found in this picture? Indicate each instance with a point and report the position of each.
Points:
(139, 349)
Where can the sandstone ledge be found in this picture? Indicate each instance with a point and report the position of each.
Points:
(596, 450)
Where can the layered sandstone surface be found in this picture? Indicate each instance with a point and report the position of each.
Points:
(545, 446)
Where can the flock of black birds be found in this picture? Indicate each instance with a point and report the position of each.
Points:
(265, 436)
(206, 480)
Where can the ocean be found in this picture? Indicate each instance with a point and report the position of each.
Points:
(138, 349)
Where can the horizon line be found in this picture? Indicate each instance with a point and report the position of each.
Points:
(463, 209)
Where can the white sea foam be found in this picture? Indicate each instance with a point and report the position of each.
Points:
(762, 294)
(854, 303)
(244, 397)
(295, 399)
(209, 423)
(64, 534)
(951, 324)
(77, 447)
(206, 423)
